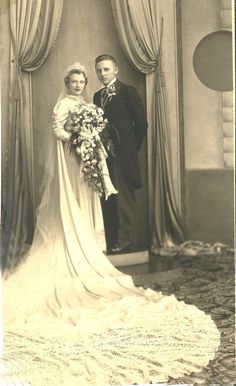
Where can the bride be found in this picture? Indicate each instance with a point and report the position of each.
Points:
(70, 317)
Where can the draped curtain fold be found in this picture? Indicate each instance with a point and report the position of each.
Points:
(139, 27)
(33, 26)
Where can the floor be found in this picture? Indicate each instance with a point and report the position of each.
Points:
(206, 281)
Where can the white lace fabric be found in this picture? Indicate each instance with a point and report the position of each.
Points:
(139, 339)
(71, 318)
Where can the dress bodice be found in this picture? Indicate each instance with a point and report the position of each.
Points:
(61, 122)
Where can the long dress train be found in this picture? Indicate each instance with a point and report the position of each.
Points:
(71, 318)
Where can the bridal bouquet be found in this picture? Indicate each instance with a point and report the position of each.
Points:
(87, 125)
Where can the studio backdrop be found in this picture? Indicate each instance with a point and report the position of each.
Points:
(80, 31)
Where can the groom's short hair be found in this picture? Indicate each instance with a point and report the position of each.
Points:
(100, 58)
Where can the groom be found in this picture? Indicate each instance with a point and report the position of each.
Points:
(127, 128)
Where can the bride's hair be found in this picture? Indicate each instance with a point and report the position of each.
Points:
(75, 68)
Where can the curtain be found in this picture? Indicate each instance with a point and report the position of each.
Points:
(140, 26)
(33, 27)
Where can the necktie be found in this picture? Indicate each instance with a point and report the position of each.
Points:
(104, 96)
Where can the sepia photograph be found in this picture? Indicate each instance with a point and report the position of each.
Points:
(117, 192)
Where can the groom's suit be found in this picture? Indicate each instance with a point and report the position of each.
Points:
(128, 127)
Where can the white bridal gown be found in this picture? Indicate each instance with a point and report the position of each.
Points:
(71, 318)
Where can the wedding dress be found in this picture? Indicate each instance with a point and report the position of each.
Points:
(71, 318)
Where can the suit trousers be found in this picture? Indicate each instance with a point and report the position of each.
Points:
(119, 211)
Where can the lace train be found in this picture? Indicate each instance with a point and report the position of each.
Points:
(138, 338)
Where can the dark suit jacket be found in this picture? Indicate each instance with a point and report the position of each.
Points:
(127, 118)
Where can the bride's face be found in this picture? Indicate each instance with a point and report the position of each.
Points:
(76, 84)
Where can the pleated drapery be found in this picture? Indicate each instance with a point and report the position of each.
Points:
(139, 28)
(33, 26)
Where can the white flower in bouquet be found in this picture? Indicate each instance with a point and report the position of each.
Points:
(87, 123)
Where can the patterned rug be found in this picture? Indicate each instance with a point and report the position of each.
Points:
(206, 281)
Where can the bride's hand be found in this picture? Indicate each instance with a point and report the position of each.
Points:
(109, 190)
(108, 194)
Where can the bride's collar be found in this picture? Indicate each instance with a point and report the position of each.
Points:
(76, 98)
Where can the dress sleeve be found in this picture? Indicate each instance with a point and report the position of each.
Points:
(59, 118)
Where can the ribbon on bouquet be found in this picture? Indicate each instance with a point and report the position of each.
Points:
(108, 185)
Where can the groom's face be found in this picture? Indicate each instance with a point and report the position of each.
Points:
(106, 71)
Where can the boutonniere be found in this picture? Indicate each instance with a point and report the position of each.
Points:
(111, 91)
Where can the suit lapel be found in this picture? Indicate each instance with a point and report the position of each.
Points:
(104, 97)
(118, 88)
(109, 99)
